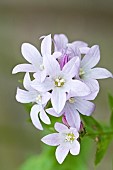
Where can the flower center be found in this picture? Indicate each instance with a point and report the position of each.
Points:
(41, 67)
(70, 137)
(39, 98)
(72, 100)
(59, 82)
(81, 72)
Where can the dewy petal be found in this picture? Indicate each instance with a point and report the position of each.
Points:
(99, 73)
(71, 68)
(27, 82)
(72, 116)
(23, 96)
(94, 87)
(46, 45)
(59, 127)
(45, 86)
(34, 116)
(31, 54)
(51, 139)
(84, 107)
(75, 148)
(58, 99)
(52, 66)
(23, 68)
(61, 153)
(60, 41)
(79, 88)
(91, 58)
(44, 117)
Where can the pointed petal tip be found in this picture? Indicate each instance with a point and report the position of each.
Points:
(14, 71)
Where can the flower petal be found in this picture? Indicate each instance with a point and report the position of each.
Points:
(79, 88)
(31, 54)
(94, 87)
(52, 66)
(23, 68)
(60, 41)
(75, 148)
(52, 112)
(99, 73)
(84, 107)
(27, 81)
(34, 116)
(24, 96)
(59, 127)
(79, 44)
(46, 45)
(91, 58)
(56, 55)
(61, 153)
(58, 99)
(73, 50)
(45, 97)
(84, 50)
(44, 117)
(71, 68)
(42, 75)
(46, 85)
(51, 139)
(72, 116)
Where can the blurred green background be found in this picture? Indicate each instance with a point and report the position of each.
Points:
(25, 21)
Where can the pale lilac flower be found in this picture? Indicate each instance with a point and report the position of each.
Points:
(40, 99)
(33, 56)
(65, 139)
(61, 44)
(69, 50)
(88, 74)
(60, 82)
(73, 106)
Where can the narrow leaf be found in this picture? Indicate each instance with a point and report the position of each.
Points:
(111, 119)
(102, 146)
(91, 125)
(110, 98)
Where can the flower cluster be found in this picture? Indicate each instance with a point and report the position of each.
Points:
(67, 79)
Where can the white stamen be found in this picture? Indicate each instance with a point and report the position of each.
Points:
(70, 137)
(39, 98)
(72, 100)
(59, 82)
(41, 67)
(81, 72)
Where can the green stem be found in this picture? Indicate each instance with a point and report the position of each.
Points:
(99, 133)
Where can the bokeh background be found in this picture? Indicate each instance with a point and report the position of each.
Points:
(25, 21)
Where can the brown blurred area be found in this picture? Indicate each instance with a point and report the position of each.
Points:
(25, 21)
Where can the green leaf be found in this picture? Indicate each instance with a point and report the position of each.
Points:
(102, 146)
(92, 126)
(100, 133)
(110, 98)
(28, 107)
(111, 120)
(47, 160)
